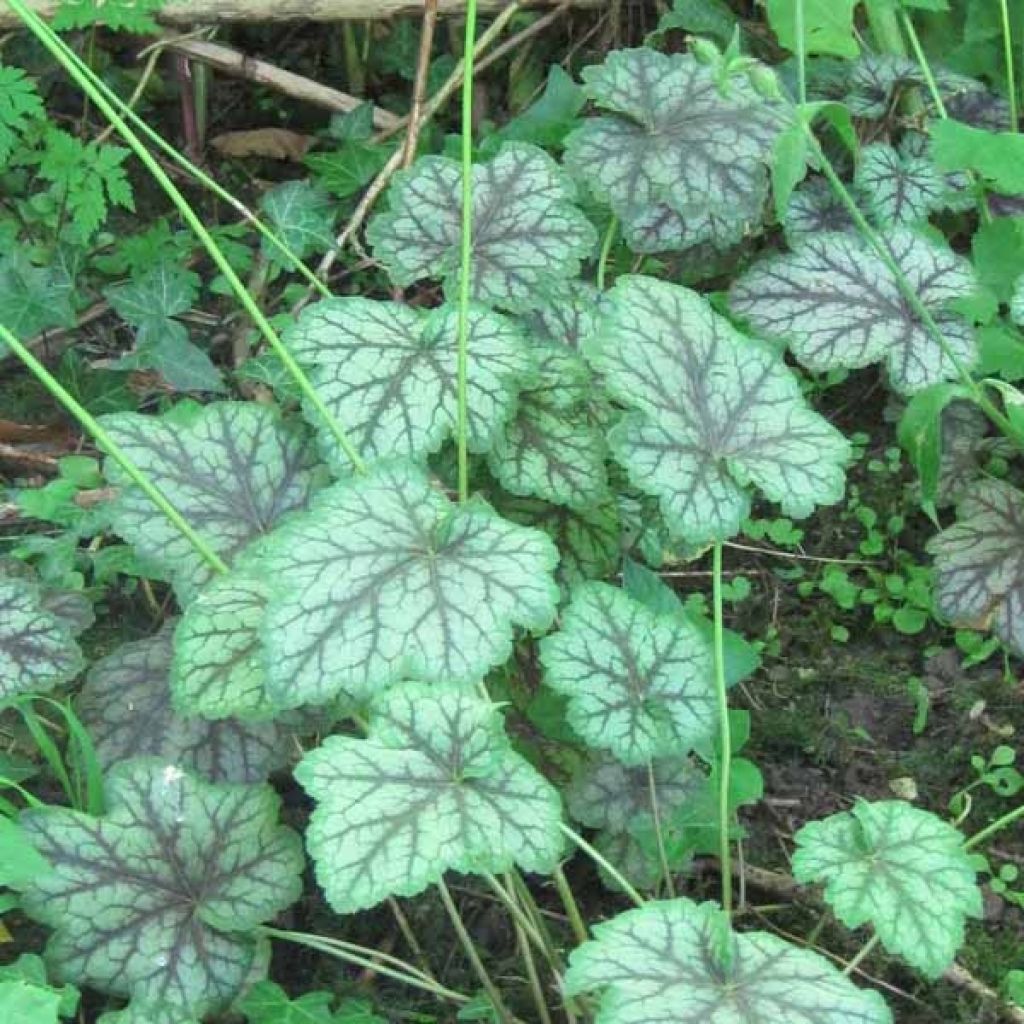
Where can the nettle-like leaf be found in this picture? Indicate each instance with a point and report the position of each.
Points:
(901, 869)
(157, 899)
(680, 159)
(232, 470)
(37, 645)
(679, 961)
(896, 188)
(389, 371)
(435, 787)
(638, 684)
(710, 412)
(979, 562)
(836, 304)
(127, 707)
(384, 579)
(528, 237)
(553, 447)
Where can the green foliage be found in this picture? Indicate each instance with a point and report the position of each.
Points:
(267, 1003)
(20, 104)
(124, 15)
(26, 996)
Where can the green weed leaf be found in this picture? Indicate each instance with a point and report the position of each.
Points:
(899, 868)
(33, 298)
(20, 104)
(301, 215)
(828, 26)
(434, 787)
(119, 15)
(996, 157)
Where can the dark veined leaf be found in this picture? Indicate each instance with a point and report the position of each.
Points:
(711, 412)
(979, 562)
(156, 900)
(554, 447)
(301, 214)
(638, 684)
(384, 579)
(569, 317)
(434, 787)
(233, 471)
(813, 209)
(965, 445)
(835, 303)
(901, 869)
(528, 237)
(138, 1012)
(126, 706)
(389, 371)
(679, 961)
(37, 645)
(875, 81)
(898, 189)
(680, 160)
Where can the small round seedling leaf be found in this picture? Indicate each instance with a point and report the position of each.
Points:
(126, 706)
(131, 895)
(898, 189)
(979, 562)
(528, 236)
(434, 787)
(389, 373)
(638, 684)
(232, 471)
(384, 579)
(710, 413)
(899, 868)
(835, 303)
(678, 961)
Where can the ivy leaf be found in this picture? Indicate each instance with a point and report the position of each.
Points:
(710, 412)
(435, 787)
(232, 471)
(553, 448)
(126, 706)
(679, 961)
(899, 868)
(979, 562)
(674, 148)
(301, 215)
(33, 298)
(638, 684)
(37, 646)
(836, 304)
(898, 189)
(155, 899)
(384, 579)
(389, 373)
(528, 237)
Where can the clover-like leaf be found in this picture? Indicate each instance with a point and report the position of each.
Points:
(680, 158)
(553, 448)
(389, 373)
(384, 579)
(835, 303)
(126, 706)
(901, 869)
(158, 898)
(435, 787)
(638, 684)
(710, 412)
(37, 645)
(528, 237)
(233, 471)
(679, 961)
(897, 188)
(979, 562)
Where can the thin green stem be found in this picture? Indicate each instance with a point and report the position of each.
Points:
(865, 951)
(997, 826)
(923, 64)
(536, 989)
(598, 858)
(652, 793)
(49, 40)
(1011, 81)
(517, 887)
(466, 261)
(522, 920)
(572, 910)
(801, 52)
(606, 249)
(724, 732)
(110, 446)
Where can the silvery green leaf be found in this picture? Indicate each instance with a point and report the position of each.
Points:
(127, 707)
(232, 471)
(897, 189)
(710, 413)
(638, 684)
(836, 304)
(965, 446)
(899, 868)
(979, 562)
(875, 80)
(434, 787)
(1017, 303)
(389, 372)
(158, 899)
(301, 215)
(678, 961)
(677, 156)
(137, 1012)
(957, 187)
(528, 237)
(37, 645)
(553, 447)
(384, 579)
(814, 209)
(568, 317)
